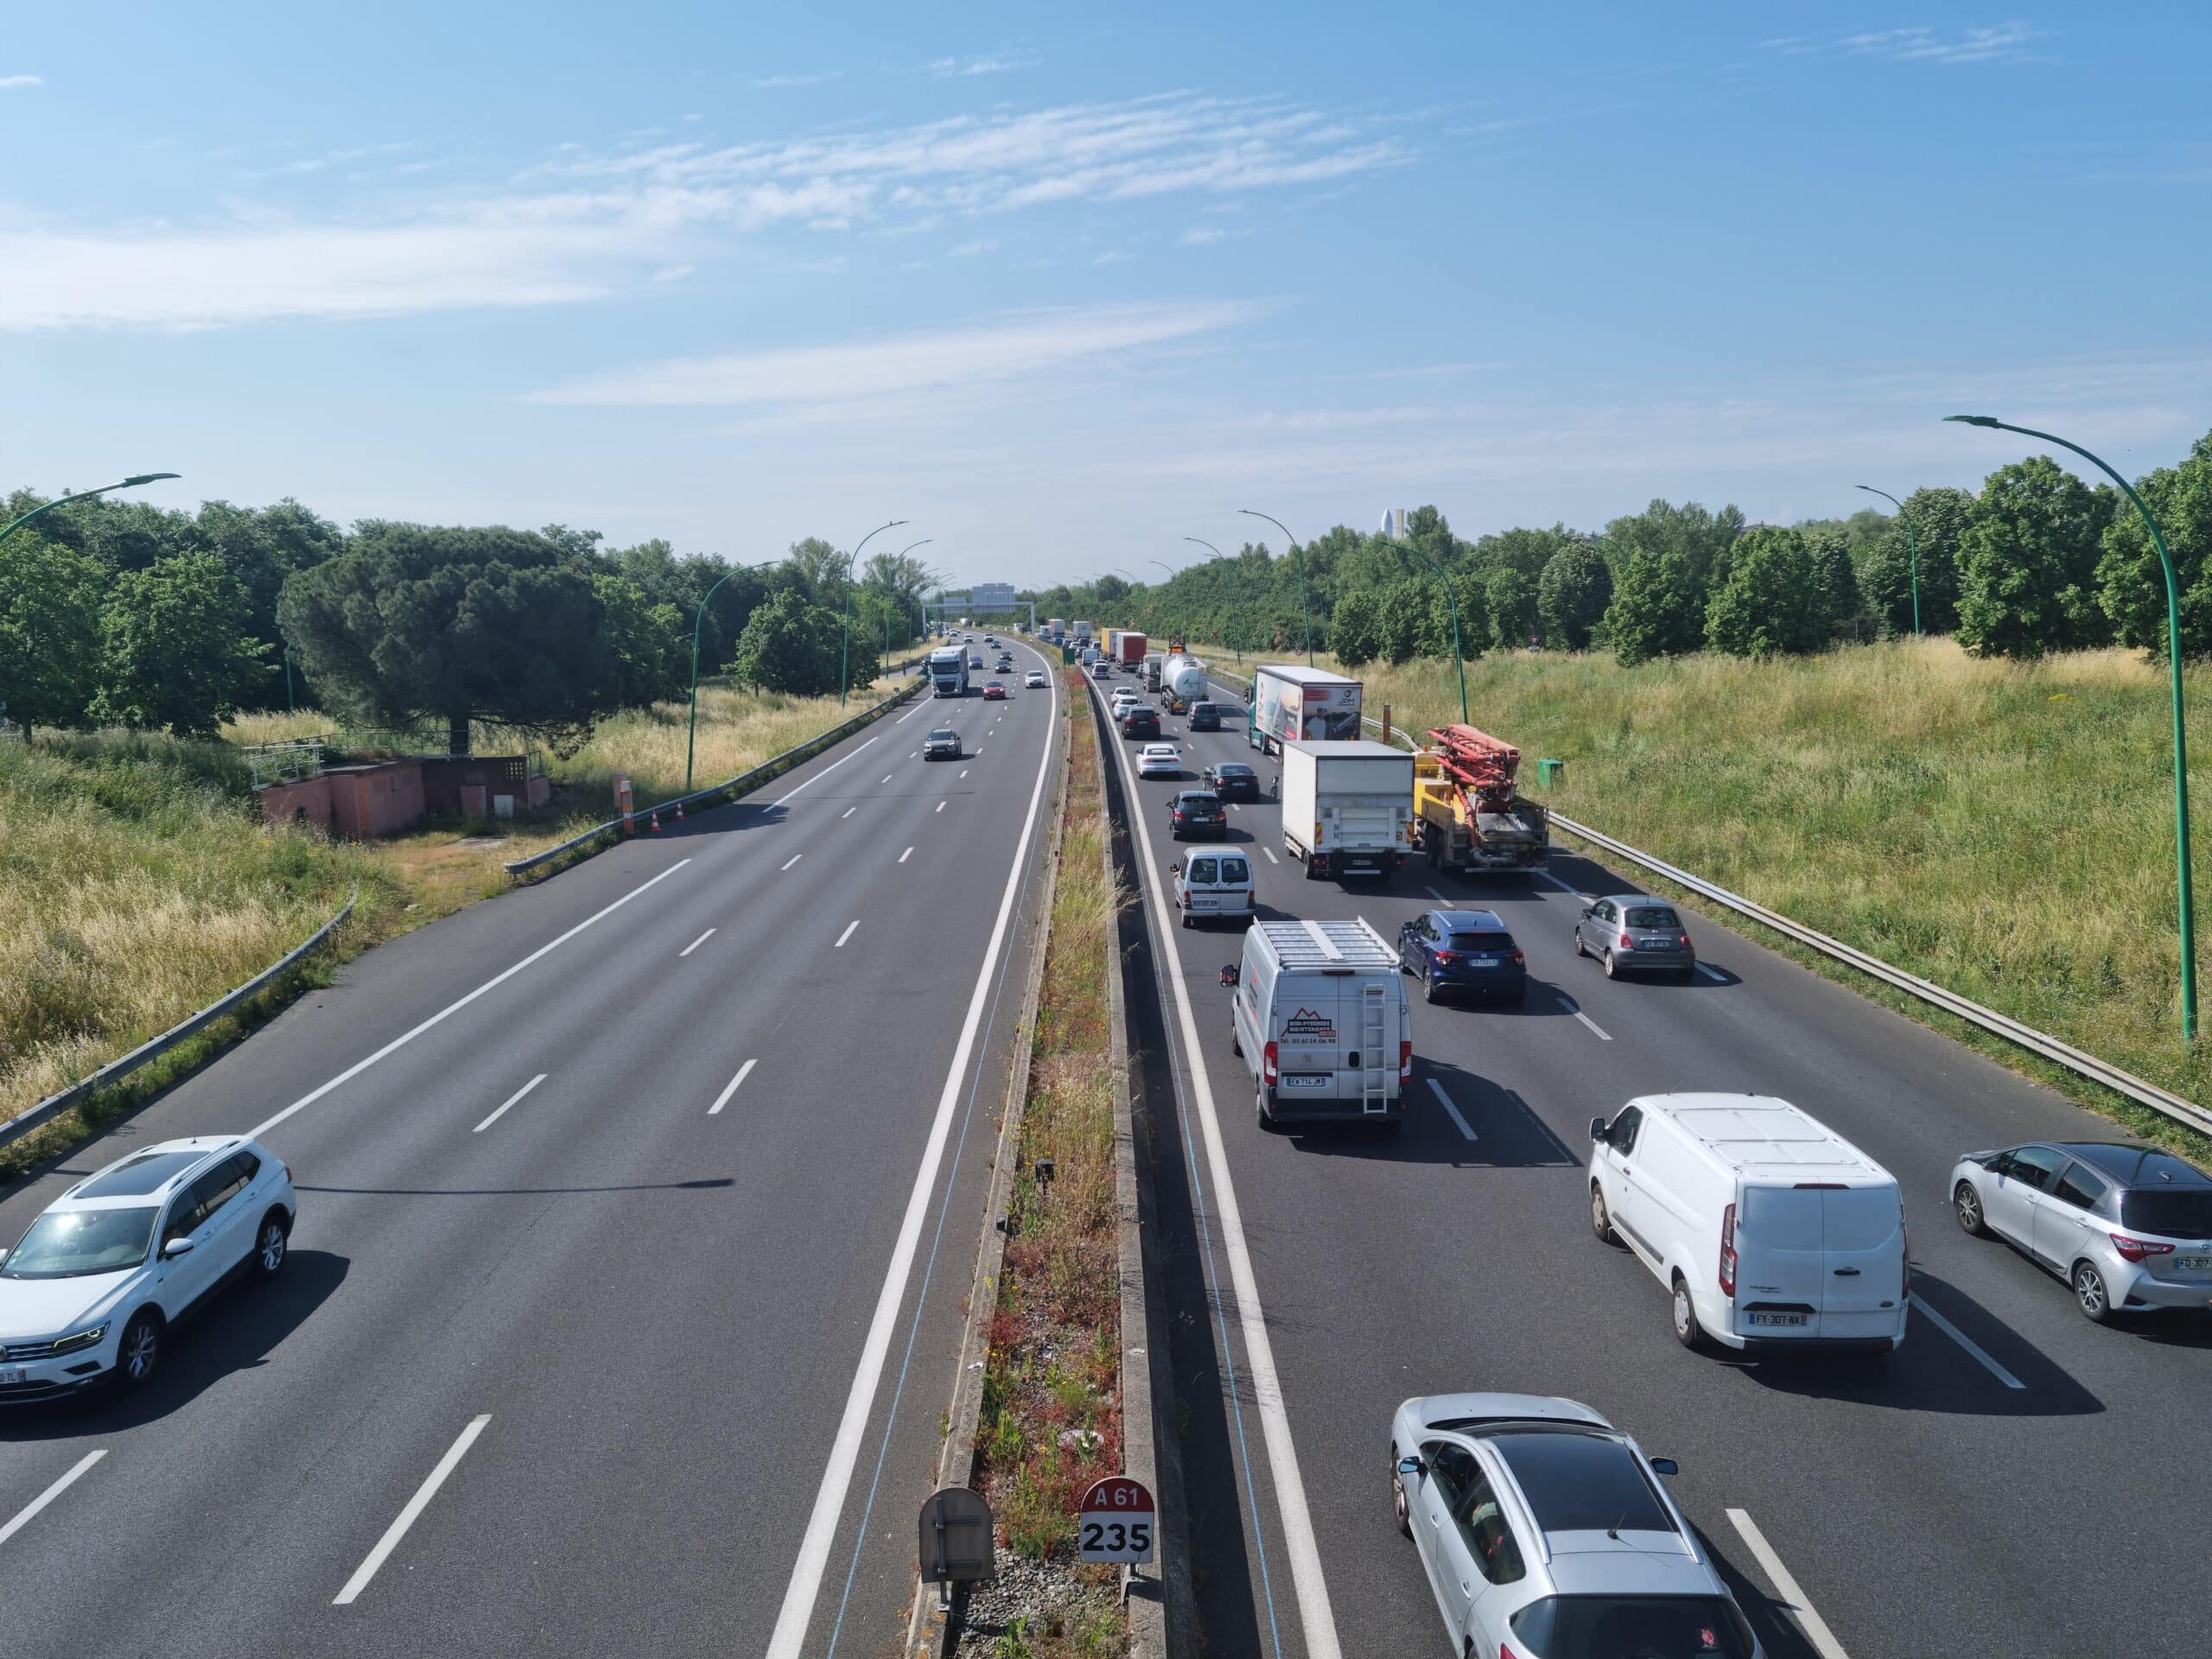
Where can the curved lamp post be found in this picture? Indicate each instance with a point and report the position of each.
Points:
(845, 661)
(1912, 548)
(903, 552)
(131, 483)
(1170, 569)
(1305, 599)
(691, 737)
(2181, 741)
(1238, 642)
(1453, 600)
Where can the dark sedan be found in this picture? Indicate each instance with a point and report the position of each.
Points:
(1463, 950)
(1140, 721)
(1205, 717)
(1232, 781)
(1197, 812)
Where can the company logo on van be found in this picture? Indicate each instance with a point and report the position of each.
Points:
(1310, 1025)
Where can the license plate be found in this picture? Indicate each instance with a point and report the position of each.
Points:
(1777, 1319)
(2194, 1263)
(1481, 962)
(11, 1374)
(1296, 1080)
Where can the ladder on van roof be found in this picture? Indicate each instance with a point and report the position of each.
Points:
(1374, 1046)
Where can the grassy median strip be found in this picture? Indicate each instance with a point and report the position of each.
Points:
(2005, 830)
(1051, 1419)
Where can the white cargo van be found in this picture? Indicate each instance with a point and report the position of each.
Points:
(1770, 1231)
(1320, 1017)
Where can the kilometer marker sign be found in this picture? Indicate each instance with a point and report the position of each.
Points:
(1116, 1522)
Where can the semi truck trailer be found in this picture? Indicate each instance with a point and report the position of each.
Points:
(1301, 704)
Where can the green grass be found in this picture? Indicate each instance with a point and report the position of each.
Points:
(2005, 829)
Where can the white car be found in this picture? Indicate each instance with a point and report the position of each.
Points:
(1158, 760)
(1122, 698)
(90, 1292)
(1034, 679)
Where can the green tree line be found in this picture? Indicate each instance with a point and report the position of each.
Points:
(116, 611)
(2036, 561)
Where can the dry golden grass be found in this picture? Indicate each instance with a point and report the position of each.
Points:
(2004, 829)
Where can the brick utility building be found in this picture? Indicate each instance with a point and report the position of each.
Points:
(371, 799)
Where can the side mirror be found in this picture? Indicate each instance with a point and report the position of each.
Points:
(1586, 913)
(1412, 1466)
(1597, 1129)
(176, 1248)
(1665, 1467)
(1228, 975)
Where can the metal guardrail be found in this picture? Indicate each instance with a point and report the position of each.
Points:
(743, 781)
(116, 1070)
(2036, 1042)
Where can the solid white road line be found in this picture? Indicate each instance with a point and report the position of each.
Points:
(1815, 1628)
(805, 1582)
(824, 772)
(1437, 1089)
(696, 943)
(847, 813)
(512, 1098)
(847, 934)
(454, 1008)
(792, 860)
(408, 1517)
(1967, 1342)
(28, 1513)
(730, 1088)
(1270, 852)
(1569, 1004)
(1712, 974)
(1314, 1609)
(904, 857)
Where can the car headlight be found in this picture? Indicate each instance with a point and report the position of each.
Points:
(79, 1339)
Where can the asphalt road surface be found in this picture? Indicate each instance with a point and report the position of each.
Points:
(2014, 1480)
(637, 1210)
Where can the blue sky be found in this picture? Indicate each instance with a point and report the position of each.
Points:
(1062, 289)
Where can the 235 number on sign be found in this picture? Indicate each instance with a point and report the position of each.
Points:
(1108, 1539)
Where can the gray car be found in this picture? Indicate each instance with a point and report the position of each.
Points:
(1544, 1529)
(2128, 1227)
(1631, 933)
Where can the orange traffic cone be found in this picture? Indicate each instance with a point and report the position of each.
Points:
(679, 812)
(656, 825)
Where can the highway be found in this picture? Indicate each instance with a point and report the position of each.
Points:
(637, 1211)
(2015, 1480)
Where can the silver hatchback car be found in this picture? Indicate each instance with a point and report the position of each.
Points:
(1633, 933)
(2128, 1227)
(1544, 1529)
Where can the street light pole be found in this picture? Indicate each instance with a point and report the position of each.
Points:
(1305, 598)
(131, 483)
(691, 737)
(2181, 741)
(845, 660)
(1912, 548)
(1238, 641)
(1452, 600)
(903, 552)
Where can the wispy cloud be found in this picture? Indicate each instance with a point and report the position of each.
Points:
(2006, 43)
(331, 158)
(673, 273)
(995, 63)
(20, 83)
(969, 250)
(1199, 235)
(766, 83)
(1007, 348)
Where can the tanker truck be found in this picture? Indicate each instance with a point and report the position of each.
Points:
(1183, 678)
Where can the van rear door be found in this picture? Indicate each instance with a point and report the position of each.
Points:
(1862, 1235)
(1312, 1033)
(1779, 1253)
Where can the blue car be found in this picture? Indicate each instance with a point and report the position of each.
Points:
(1463, 950)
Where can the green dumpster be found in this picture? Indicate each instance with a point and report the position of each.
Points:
(1548, 772)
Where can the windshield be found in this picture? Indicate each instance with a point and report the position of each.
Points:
(1490, 942)
(944, 737)
(1232, 769)
(1633, 1627)
(1653, 916)
(1236, 870)
(2182, 1214)
(69, 1244)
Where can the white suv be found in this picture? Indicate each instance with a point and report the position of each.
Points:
(90, 1291)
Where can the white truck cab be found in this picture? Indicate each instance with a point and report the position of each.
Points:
(1321, 1019)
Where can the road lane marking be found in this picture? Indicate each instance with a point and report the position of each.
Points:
(963, 772)
(904, 857)
(792, 860)
(847, 934)
(888, 776)
(515, 1096)
(847, 813)
(408, 1517)
(824, 772)
(1270, 852)
(1437, 1089)
(1967, 1342)
(1434, 894)
(940, 806)
(1314, 1611)
(29, 1512)
(1546, 875)
(696, 943)
(1573, 1008)
(262, 1128)
(805, 1584)
(1712, 974)
(1815, 1628)
(730, 1088)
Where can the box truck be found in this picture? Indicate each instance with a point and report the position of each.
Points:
(1320, 1017)
(1307, 703)
(1128, 650)
(1347, 808)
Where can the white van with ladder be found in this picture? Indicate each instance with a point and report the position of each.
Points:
(1770, 1230)
(1321, 1019)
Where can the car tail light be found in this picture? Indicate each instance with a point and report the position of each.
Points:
(1684, 941)
(1267, 1072)
(1728, 1252)
(1445, 955)
(1627, 943)
(1405, 1061)
(2135, 1250)
(1518, 956)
